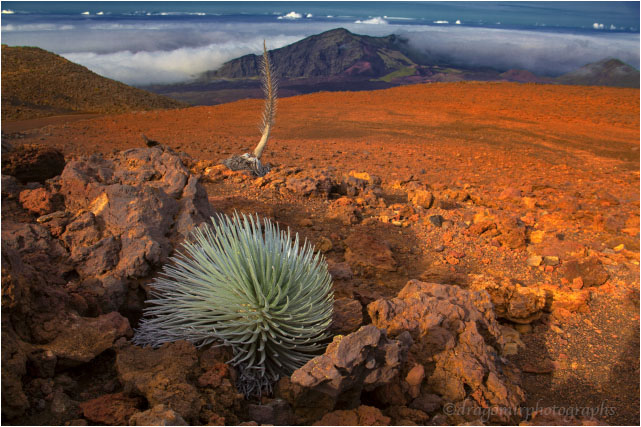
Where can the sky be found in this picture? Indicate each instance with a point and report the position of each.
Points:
(145, 43)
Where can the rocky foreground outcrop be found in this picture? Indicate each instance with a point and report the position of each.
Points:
(73, 283)
(456, 353)
(71, 278)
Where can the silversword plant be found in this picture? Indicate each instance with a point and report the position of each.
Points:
(248, 286)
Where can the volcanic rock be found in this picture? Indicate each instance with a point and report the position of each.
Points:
(339, 270)
(360, 361)
(10, 186)
(137, 199)
(512, 232)
(347, 317)
(590, 270)
(414, 379)
(345, 210)
(33, 163)
(436, 220)
(33, 301)
(275, 412)
(420, 197)
(510, 193)
(361, 416)
(37, 249)
(405, 416)
(84, 338)
(161, 375)
(312, 183)
(39, 201)
(457, 340)
(14, 366)
(560, 299)
(427, 402)
(511, 301)
(42, 364)
(111, 409)
(159, 415)
(352, 186)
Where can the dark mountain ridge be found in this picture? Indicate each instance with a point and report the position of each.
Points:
(338, 60)
(333, 53)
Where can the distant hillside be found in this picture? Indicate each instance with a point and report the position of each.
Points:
(38, 83)
(338, 60)
(333, 53)
(607, 72)
(524, 76)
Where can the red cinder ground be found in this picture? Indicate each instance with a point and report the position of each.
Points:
(563, 159)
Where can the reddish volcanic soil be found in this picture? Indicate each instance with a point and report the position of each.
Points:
(562, 160)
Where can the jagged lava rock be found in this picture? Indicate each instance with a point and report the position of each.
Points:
(339, 270)
(84, 338)
(275, 412)
(161, 375)
(351, 362)
(512, 232)
(347, 317)
(419, 195)
(360, 361)
(32, 163)
(590, 270)
(313, 182)
(199, 390)
(61, 293)
(39, 201)
(458, 341)
(110, 409)
(137, 197)
(362, 416)
(14, 366)
(344, 210)
(159, 415)
(519, 304)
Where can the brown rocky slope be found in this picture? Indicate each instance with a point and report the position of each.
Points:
(37, 83)
(483, 240)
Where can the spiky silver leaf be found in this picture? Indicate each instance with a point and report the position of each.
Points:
(247, 286)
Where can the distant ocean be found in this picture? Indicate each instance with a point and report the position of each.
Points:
(167, 42)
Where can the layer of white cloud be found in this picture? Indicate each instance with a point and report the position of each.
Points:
(168, 52)
(174, 66)
(540, 52)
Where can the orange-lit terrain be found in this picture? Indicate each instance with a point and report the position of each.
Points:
(517, 171)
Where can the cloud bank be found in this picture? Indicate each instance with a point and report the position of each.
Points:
(543, 53)
(141, 53)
